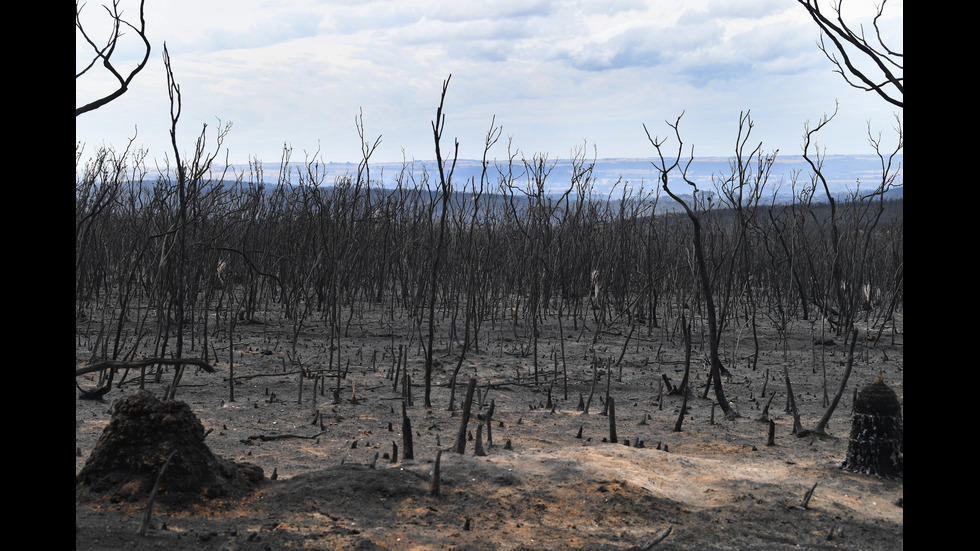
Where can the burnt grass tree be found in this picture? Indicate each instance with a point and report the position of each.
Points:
(876, 445)
(175, 265)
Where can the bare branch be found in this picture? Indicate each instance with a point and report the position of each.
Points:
(104, 53)
(885, 78)
(145, 362)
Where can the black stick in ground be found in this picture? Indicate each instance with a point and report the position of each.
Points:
(408, 452)
(791, 402)
(680, 416)
(479, 441)
(608, 379)
(595, 378)
(434, 488)
(148, 512)
(460, 446)
(612, 420)
(806, 498)
(493, 406)
(765, 411)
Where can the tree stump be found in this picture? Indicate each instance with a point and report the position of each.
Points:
(876, 444)
(141, 435)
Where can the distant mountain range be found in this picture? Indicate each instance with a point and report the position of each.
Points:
(844, 173)
(613, 178)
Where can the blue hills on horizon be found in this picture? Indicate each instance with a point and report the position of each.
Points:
(844, 174)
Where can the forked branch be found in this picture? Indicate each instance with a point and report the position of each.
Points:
(884, 73)
(104, 53)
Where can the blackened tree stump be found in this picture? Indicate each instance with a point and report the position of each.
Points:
(876, 444)
(143, 435)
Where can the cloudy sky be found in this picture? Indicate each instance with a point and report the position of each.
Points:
(555, 74)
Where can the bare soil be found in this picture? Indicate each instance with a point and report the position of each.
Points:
(714, 485)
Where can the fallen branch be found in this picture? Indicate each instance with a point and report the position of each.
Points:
(271, 437)
(144, 362)
(98, 393)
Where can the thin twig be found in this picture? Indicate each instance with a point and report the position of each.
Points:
(148, 512)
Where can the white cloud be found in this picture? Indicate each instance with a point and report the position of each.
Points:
(554, 73)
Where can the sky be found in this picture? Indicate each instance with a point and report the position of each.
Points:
(558, 77)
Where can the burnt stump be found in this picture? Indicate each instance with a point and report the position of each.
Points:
(143, 431)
